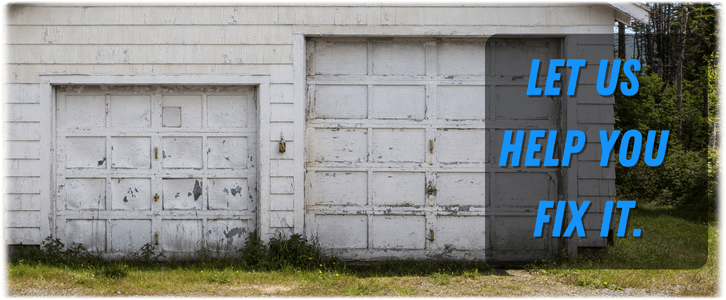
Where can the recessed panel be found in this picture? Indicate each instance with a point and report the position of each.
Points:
(399, 188)
(86, 152)
(460, 146)
(341, 58)
(461, 102)
(181, 152)
(89, 233)
(514, 56)
(512, 103)
(182, 193)
(516, 232)
(398, 145)
(508, 191)
(130, 111)
(399, 58)
(461, 58)
(342, 231)
(85, 111)
(398, 102)
(227, 152)
(227, 234)
(130, 235)
(181, 235)
(227, 111)
(229, 194)
(131, 152)
(461, 232)
(398, 232)
(340, 188)
(341, 145)
(85, 193)
(461, 189)
(341, 101)
(131, 193)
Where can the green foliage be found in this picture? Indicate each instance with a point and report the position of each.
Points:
(687, 177)
(114, 270)
(147, 254)
(254, 252)
(54, 252)
(293, 253)
(682, 181)
(223, 276)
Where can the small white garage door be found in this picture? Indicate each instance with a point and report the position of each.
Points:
(399, 133)
(173, 166)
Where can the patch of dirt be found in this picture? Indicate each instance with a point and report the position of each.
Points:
(272, 289)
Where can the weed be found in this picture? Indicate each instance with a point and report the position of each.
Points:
(441, 279)
(147, 254)
(254, 252)
(115, 270)
(220, 277)
(471, 274)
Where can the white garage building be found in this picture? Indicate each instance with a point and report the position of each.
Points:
(162, 124)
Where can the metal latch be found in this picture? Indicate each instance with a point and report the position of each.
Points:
(431, 146)
(431, 234)
(431, 190)
(156, 197)
(281, 146)
(156, 152)
(156, 238)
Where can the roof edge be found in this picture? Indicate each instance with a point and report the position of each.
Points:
(632, 10)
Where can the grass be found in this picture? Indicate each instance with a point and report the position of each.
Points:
(678, 251)
(294, 267)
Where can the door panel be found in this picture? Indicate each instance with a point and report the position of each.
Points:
(169, 166)
(398, 159)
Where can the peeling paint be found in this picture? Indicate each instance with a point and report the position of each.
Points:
(197, 190)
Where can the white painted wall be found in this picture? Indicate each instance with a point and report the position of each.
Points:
(199, 41)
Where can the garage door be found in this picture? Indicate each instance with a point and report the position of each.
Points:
(398, 157)
(170, 166)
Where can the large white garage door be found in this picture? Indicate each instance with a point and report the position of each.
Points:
(398, 148)
(170, 166)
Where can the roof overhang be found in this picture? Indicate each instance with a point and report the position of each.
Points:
(625, 11)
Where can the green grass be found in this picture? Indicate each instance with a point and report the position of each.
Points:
(677, 249)
(295, 267)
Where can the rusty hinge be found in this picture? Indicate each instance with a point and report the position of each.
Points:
(431, 190)
(431, 234)
(431, 146)
(156, 197)
(156, 238)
